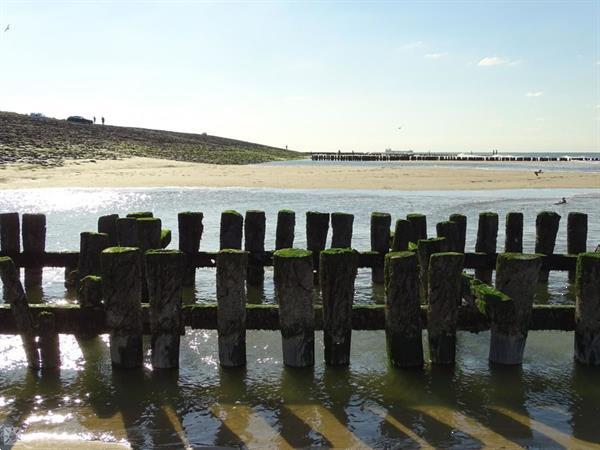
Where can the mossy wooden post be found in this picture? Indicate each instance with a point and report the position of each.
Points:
(10, 233)
(402, 235)
(516, 277)
(19, 307)
(402, 310)
(341, 230)
(461, 225)
(90, 301)
(426, 248)
(587, 309)
(149, 229)
(546, 229)
(34, 242)
(232, 224)
(191, 227)
(293, 279)
(487, 237)
(122, 292)
(513, 242)
(232, 266)
(449, 230)
(577, 230)
(254, 244)
(127, 232)
(48, 342)
(337, 273)
(445, 286)
(418, 226)
(108, 225)
(165, 273)
(380, 240)
(90, 248)
(140, 215)
(317, 227)
(284, 233)
(165, 237)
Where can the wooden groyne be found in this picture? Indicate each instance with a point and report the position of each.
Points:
(135, 287)
(383, 157)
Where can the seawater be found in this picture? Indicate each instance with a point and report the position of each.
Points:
(549, 402)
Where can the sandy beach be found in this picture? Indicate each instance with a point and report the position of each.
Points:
(147, 172)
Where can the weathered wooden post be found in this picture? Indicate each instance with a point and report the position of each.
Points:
(149, 230)
(426, 248)
(418, 226)
(108, 225)
(91, 246)
(516, 277)
(402, 310)
(341, 228)
(380, 240)
(449, 230)
(90, 301)
(284, 234)
(577, 230)
(402, 235)
(254, 244)
(293, 279)
(461, 225)
(190, 235)
(10, 233)
(232, 265)
(231, 230)
(165, 237)
(48, 341)
(165, 274)
(127, 232)
(513, 242)
(140, 215)
(317, 226)
(122, 292)
(487, 237)
(34, 242)
(445, 286)
(546, 228)
(587, 309)
(19, 307)
(337, 273)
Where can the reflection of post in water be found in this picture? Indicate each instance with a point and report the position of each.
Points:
(19, 410)
(231, 394)
(585, 403)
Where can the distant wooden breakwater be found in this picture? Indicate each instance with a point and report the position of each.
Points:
(362, 156)
(130, 285)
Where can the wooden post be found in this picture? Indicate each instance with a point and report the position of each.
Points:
(149, 229)
(461, 225)
(90, 249)
(49, 343)
(165, 273)
(284, 234)
(418, 226)
(90, 301)
(587, 309)
(341, 229)
(449, 230)
(487, 237)
(445, 286)
(293, 279)
(231, 230)
(140, 215)
(516, 276)
(546, 228)
(254, 244)
(337, 273)
(426, 248)
(402, 235)
(190, 235)
(127, 232)
(19, 307)
(232, 266)
(403, 311)
(380, 240)
(577, 230)
(317, 226)
(165, 237)
(108, 225)
(122, 292)
(513, 242)
(10, 233)
(34, 241)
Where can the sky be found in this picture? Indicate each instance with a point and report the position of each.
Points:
(316, 76)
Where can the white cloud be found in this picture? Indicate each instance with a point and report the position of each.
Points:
(489, 61)
(413, 45)
(435, 55)
(534, 94)
(598, 62)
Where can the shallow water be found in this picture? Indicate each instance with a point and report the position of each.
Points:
(549, 402)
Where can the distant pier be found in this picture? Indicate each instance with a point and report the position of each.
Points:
(383, 156)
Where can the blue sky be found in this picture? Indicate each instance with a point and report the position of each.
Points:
(316, 76)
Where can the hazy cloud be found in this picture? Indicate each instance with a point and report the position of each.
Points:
(435, 55)
(534, 94)
(489, 61)
(413, 45)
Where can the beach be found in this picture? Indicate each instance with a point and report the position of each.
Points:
(149, 172)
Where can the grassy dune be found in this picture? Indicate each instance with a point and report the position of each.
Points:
(48, 142)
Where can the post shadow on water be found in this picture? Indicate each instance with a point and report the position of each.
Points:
(231, 389)
(585, 403)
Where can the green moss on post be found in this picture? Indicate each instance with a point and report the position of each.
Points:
(418, 226)
(232, 224)
(284, 233)
(513, 242)
(341, 228)
(91, 246)
(293, 279)
(426, 248)
(403, 311)
(254, 243)
(108, 225)
(587, 311)
(487, 237)
(402, 235)
(165, 237)
(380, 240)
(577, 230)
(317, 227)
(337, 274)
(90, 301)
(140, 215)
(449, 230)
(190, 235)
(546, 229)
(34, 241)
(461, 225)
(10, 233)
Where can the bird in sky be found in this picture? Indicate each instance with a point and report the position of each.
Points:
(7, 28)
(400, 127)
